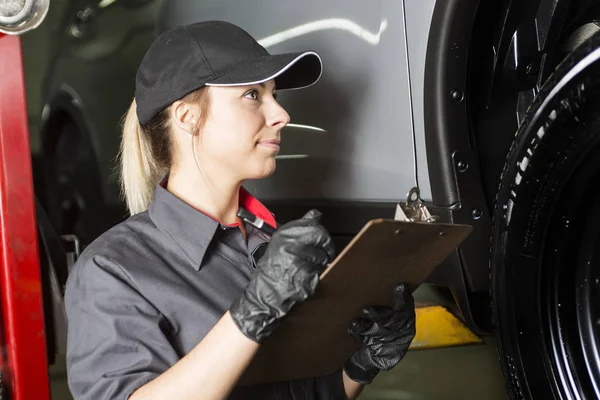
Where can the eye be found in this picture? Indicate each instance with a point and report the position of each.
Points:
(252, 94)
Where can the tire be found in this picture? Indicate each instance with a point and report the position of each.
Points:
(545, 258)
(73, 199)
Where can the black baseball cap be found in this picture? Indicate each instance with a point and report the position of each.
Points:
(214, 53)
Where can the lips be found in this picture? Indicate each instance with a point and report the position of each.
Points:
(272, 144)
(272, 141)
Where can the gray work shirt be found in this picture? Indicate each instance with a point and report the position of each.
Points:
(146, 292)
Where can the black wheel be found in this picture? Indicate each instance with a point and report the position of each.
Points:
(73, 199)
(546, 243)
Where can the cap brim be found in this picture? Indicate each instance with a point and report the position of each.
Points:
(290, 71)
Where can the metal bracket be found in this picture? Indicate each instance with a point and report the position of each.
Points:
(414, 210)
(73, 251)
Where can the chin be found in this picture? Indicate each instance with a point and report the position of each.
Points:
(267, 174)
(265, 170)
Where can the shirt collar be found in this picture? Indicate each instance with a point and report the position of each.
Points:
(191, 229)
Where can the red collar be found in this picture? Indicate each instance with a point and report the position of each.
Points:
(257, 208)
(247, 201)
(254, 206)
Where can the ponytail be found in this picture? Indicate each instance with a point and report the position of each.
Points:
(146, 153)
(140, 168)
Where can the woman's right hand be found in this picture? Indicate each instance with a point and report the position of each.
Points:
(287, 274)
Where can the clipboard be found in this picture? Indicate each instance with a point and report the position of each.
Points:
(313, 338)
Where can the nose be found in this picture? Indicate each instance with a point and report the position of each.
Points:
(277, 117)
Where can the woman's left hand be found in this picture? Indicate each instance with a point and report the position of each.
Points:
(385, 334)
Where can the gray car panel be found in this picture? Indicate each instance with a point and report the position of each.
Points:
(352, 135)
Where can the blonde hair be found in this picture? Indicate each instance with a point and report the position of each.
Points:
(146, 153)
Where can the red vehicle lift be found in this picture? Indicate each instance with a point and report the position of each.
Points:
(23, 359)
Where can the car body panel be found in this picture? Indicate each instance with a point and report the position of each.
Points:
(351, 136)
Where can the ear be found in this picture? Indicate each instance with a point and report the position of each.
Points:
(185, 116)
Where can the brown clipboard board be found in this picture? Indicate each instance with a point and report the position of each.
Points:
(313, 339)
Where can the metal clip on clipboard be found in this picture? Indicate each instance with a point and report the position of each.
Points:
(413, 210)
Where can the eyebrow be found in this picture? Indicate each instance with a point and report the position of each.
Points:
(264, 86)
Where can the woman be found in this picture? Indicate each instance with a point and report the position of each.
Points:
(174, 302)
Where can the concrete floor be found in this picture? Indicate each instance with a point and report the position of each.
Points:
(58, 381)
(464, 372)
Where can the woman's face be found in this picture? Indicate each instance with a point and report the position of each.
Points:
(242, 130)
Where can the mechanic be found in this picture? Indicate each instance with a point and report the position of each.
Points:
(174, 302)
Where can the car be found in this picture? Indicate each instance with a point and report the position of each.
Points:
(490, 109)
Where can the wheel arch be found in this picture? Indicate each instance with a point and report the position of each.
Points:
(60, 115)
(456, 196)
(65, 106)
(464, 84)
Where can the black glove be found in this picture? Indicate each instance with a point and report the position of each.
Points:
(287, 274)
(385, 334)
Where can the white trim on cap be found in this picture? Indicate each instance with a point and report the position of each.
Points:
(288, 66)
